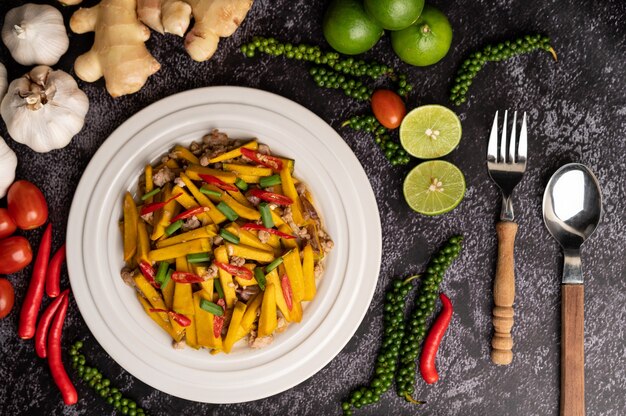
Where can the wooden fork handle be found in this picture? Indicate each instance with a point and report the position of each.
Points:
(504, 294)
(572, 350)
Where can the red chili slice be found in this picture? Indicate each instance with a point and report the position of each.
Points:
(184, 277)
(148, 272)
(287, 292)
(180, 319)
(214, 180)
(271, 162)
(148, 208)
(218, 321)
(259, 227)
(271, 197)
(190, 213)
(235, 270)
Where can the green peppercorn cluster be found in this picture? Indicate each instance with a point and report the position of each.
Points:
(424, 307)
(346, 66)
(393, 318)
(392, 149)
(331, 79)
(101, 385)
(493, 53)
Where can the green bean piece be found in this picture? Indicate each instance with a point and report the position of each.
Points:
(267, 181)
(161, 272)
(173, 227)
(228, 236)
(266, 215)
(218, 288)
(211, 192)
(211, 307)
(150, 194)
(198, 258)
(168, 277)
(227, 211)
(277, 262)
(260, 277)
(241, 184)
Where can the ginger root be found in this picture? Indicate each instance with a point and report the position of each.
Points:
(119, 53)
(165, 16)
(213, 19)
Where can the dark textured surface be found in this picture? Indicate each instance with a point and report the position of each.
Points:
(577, 112)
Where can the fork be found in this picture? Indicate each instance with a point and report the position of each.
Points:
(506, 163)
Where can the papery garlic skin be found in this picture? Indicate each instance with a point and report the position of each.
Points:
(44, 109)
(4, 82)
(8, 163)
(35, 34)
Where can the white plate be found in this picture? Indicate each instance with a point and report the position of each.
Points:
(343, 196)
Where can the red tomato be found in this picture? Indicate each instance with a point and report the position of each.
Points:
(15, 254)
(27, 205)
(7, 225)
(7, 297)
(388, 108)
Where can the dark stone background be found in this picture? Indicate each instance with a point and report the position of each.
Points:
(576, 108)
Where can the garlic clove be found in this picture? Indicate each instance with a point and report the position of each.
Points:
(4, 83)
(8, 163)
(44, 109)
(35, 34)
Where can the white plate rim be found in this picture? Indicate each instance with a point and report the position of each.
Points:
(223, 95)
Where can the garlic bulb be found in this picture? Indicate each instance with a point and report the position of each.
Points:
(44, 109)
(3, 81)
(35, 34)
(8, 163)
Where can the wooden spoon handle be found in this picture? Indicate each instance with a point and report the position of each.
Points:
(572, 350)
(504, 294)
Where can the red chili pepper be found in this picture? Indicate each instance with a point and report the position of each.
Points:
(53, 278)
(271, 197)
(238, 271)
(32, 302)
(63, 382)
(214, 180)
(180, 319)
(287, 292)
(218, 321)
(253, 226)
(433, 339)
(271, 162)
(148, 208)
(190, 213)
(148, 272)
(184, 277)
(41, 335)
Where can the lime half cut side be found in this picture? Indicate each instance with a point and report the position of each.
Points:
(430, 131)
(434, 187)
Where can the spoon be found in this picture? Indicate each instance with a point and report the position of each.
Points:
(572, 207)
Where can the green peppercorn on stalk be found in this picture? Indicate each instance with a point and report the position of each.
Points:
(386, 361)
(382, 136)
(347, 66)
(327, 78)
(424, 307)
(94, 379)
(494, 53)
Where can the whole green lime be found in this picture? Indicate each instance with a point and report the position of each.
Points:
(394, 14)
(349, 29)
(427, 41)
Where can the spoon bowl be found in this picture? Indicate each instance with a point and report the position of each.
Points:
(572, 208)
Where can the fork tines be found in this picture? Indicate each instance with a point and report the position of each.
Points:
(509, 150)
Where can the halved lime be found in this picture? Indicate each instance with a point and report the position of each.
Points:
(430, 131)
(434, 187)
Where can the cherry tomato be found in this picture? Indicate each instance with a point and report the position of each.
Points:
(388, 108)
(27, 205)
(7, 297)
(15, 254)
(7, 225)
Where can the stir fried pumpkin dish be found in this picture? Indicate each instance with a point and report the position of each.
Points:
(222, 243)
